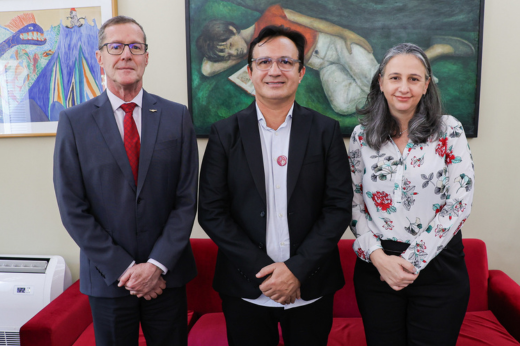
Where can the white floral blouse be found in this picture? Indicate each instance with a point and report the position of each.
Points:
(422, 197)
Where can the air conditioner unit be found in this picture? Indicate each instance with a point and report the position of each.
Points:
(27, 285)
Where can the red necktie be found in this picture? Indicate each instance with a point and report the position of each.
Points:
(132, 142)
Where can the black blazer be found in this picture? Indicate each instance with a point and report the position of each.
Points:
(111, 219)
(232, 207)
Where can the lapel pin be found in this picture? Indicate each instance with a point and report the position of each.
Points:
(153, 110)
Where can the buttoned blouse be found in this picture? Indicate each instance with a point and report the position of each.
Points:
(421, 197)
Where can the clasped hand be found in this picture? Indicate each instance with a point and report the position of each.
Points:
(280, 285)
(143, 280)
(394, 270)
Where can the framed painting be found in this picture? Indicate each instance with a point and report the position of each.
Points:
(48, 61)
(338, 75)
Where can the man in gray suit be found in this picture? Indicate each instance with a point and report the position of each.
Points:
(125, 176)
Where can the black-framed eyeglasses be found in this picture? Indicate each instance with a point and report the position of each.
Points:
(116, 48)
(284, 63)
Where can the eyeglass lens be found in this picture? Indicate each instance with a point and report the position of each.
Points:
(284, 64)
(118, 48)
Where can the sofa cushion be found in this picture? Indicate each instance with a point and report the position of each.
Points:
(347, 331)
(345, 304)
(201, 297)
(477, 263)
(481, 328)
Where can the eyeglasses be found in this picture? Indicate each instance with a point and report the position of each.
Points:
(283, 63)
(116, 48)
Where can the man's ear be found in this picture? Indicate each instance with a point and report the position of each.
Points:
(98, 57)
(302, 73)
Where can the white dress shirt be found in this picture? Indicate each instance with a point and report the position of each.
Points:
(119, 114)
(275, 153)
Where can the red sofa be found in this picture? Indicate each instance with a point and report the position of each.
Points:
(493, 317)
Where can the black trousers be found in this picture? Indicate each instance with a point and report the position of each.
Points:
(253, 325)
(430, 311)
(163, 320)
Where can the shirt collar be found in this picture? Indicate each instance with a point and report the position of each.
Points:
(116, 102)
(261, 118)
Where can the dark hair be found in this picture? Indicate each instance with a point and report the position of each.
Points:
(214, 33)
(116, 21)
(272, 31)
(376, 118)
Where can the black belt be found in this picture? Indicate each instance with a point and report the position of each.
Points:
(394, 248)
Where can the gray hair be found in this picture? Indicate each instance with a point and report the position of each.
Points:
(380, 125)
(116, 21)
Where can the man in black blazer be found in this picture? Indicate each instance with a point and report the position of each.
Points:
(275, 196)
(125, 176)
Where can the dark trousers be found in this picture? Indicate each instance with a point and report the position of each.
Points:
(253, 325)
(163, 320)
(430, 311)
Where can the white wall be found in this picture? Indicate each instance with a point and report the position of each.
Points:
(29, 219)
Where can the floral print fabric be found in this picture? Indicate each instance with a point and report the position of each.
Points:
(422, 197)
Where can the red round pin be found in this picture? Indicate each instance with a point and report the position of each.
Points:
(281, 160)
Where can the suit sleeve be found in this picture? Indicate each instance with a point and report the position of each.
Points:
(108, 257)
(175, 237)
(335, 215)
(214, 212)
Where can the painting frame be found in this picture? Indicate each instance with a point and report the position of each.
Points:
(467, 112)
(108, 10)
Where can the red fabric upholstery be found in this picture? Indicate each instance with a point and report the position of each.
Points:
(210, 329)
(347, 331)
(481, 328)
(201, 297)
(67, 320)
(344, 305)
(58, 324)
(504, 301)
(477, 263)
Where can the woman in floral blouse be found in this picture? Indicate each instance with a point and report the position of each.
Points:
(413, 178)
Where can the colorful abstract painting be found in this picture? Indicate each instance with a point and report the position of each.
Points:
(47, 64)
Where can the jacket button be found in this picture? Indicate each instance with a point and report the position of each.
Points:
(260, 246)
(262, 214)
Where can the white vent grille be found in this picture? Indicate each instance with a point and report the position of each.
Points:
(9, 338)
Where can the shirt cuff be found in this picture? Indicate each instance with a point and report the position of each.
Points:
(130, 266)
(159, 265)
(372, 249)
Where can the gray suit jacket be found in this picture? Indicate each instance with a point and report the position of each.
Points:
(113, 221)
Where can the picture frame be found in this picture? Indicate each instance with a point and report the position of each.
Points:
(48, 61)
(431, 24)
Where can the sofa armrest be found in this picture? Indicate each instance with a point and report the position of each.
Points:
(61, 322)
(504, 301)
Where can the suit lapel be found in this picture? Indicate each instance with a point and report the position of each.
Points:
(248, 125)
(104, 117)
(149, 127)
(301, 125)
